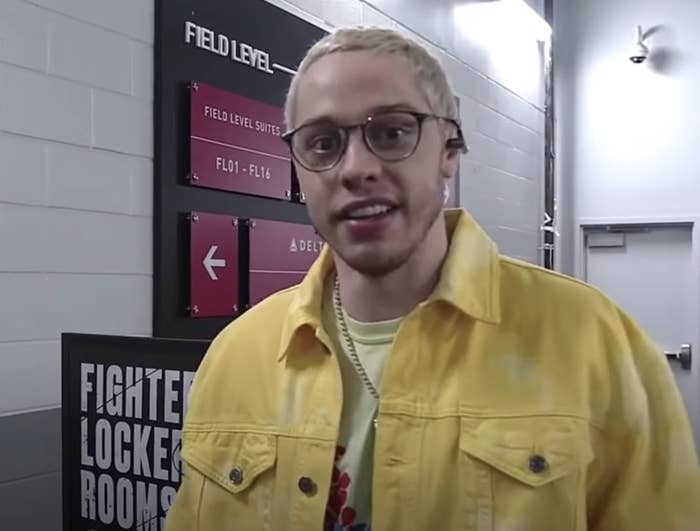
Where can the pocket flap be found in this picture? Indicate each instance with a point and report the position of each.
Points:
(231, 459)
(533, 450)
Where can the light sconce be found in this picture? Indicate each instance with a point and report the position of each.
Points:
(640, 51)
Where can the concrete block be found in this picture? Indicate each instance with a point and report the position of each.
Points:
(32, 503)
(47, 305)
(340, 13)
(142, 187)
(23, 34)
(89, 179)
(134, 18)
(23, 175)
(41, 106)
(374, 17)
(89, 54)
(142, 70)
(122, 123)
(31, 379)
(70, 241)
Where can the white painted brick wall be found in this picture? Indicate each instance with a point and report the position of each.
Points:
(42, 106)
(23, 34)
(78, 178)
(25, 363)
(133, 18)
(91, 55)
(43, 305)
(340, 12)
(373, 17)
(76, 183)
(142, 70)
(142, 188)
(22, 170)
(73, 241)
(122, 123)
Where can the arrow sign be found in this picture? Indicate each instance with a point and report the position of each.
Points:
(210, 262)
(214, 267)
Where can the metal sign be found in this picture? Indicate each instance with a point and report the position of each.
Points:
(235, 144)
(242, 55)
(214, 263)
(280, 255)
(123, 400)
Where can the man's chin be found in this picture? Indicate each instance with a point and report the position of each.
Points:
(374, 264)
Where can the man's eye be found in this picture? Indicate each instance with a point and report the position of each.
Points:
(323, 144)
(393, 132)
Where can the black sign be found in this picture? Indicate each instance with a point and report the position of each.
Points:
(248, 48)
(124, 400)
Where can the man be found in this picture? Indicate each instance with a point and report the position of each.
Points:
(416, 379)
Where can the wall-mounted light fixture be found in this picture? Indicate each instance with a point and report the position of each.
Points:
(640, 51)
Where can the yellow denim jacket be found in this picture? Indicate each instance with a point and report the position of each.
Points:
(514, 399)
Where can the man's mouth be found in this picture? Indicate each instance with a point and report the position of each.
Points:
(369, 211)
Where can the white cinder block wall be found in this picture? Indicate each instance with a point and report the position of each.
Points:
(76, 84)
(76, 148)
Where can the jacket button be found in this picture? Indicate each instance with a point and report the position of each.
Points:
(538, 464)
(307, 485)
(236, 476)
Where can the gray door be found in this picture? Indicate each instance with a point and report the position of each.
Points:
(648, 270)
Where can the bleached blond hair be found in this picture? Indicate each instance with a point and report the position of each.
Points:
(430, 76)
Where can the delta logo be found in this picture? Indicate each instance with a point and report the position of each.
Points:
(305, 246)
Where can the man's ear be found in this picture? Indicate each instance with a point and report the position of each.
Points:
(449, 162)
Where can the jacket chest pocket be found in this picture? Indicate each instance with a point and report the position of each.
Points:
(257, 482)
(232, 474)
(524, 474)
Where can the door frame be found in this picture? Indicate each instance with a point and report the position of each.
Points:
(582, 224)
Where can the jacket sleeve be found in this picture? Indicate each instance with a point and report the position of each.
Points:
(646, 474)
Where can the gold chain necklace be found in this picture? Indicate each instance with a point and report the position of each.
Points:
(350, 343)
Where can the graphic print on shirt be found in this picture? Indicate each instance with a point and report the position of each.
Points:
(339, 516)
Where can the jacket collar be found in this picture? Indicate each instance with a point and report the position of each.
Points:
(469, 281)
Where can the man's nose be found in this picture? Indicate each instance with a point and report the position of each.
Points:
(358, 164)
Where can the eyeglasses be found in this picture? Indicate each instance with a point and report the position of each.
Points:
(391, 136)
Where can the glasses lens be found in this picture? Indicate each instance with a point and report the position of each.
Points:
(318, 146)
(393, 136)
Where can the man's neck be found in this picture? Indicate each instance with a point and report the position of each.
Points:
(371, 299)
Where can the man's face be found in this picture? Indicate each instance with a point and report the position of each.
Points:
(345, 88)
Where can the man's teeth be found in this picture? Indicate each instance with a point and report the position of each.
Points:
(368, 211)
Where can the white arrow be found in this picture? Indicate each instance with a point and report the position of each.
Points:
(210, 262)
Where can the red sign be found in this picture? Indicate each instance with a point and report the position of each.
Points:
(280, 255)
(235, 144)
(213, 265)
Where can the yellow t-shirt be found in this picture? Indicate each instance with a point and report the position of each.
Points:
(349, 504)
